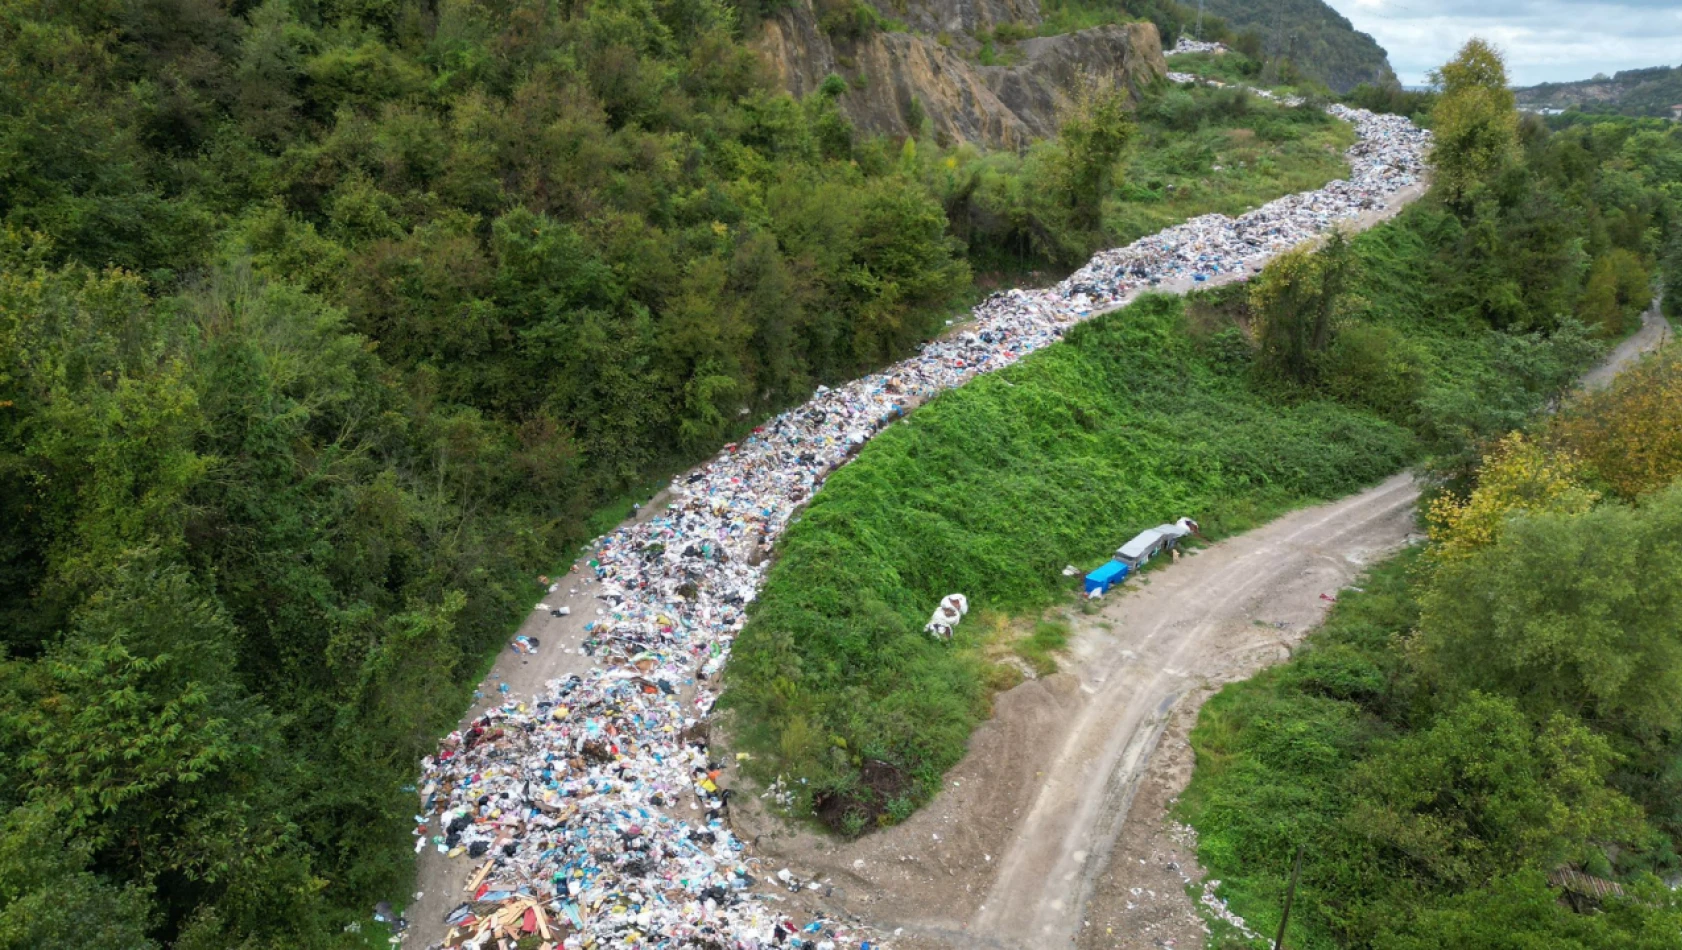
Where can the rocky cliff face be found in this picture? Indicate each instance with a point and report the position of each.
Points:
(933, 68)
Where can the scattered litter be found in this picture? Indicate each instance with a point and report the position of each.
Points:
(952, 609)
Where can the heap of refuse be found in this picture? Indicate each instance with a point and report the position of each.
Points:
(952, 609)
(1188, 45)
(592, 814)
(1389, 155)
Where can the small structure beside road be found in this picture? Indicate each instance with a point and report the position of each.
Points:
(1153, 541)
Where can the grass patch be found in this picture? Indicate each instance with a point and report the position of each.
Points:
(1196, 151)
(1070, 16)
(1049, 637)
(1274, 752)
(1205, 151)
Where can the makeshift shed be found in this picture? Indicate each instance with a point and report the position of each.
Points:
(1153, 541)
(1142, 548)
(1101, 580)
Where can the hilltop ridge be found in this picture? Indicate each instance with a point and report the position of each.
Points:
(1321, 41)
(1636, 92)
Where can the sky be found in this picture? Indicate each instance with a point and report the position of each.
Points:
(1545, 40)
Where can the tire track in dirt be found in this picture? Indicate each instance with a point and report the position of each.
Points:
(1182, 629)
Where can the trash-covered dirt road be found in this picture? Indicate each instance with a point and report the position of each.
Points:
(592, 811)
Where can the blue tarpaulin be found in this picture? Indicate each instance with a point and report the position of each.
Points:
(1101, 580)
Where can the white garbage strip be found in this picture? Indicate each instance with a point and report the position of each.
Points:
(591, 813)
(1188, 45)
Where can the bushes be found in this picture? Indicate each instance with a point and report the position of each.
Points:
(1422, 816)
(1618, 289)
(1630, 433)
(1000, 204)
(1491, 709)
(1377, 367)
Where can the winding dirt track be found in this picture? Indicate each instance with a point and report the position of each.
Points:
(1006, 856)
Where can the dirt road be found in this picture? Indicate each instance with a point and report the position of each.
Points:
(1215, 617)
(1007, 854)
(1654, 333)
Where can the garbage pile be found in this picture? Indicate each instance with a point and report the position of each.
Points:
(952, 609)
(1188, 45)
(592, 813)
(1388, 156)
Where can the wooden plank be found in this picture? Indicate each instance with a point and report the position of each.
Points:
(479, 877)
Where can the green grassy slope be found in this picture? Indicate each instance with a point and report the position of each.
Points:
(990, 491)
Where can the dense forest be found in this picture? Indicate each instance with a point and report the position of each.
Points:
(1316, 38)
(1450, 327)
(327, 327)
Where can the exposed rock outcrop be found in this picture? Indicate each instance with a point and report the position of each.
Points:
(934, 66)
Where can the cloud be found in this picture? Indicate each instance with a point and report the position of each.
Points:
(1545, 40)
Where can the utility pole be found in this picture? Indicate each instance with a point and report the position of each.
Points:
(1200, 20)
(1290, 895)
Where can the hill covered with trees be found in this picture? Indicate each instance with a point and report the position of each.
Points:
(1635, 92)
(1321, 42)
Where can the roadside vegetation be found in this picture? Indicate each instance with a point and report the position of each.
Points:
(1485, 716)
(1422, 340)
(1482, 746)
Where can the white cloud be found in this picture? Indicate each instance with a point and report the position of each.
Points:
(1545, 40)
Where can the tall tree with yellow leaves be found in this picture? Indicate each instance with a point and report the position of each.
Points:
(1518, 475)
(1475, 123)
(1630, 434)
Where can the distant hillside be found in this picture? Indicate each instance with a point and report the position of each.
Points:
(1324, 44)
(1642, 92)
